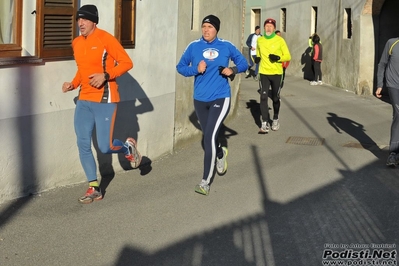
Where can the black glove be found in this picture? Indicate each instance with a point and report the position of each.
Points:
(274, 58)
(232, 76)
(257, 60)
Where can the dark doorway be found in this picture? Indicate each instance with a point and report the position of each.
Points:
(388, 24)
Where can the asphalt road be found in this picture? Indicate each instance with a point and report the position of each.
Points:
(313, 188)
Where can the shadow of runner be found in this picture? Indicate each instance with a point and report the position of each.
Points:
(254, 108)
(306, 61)
(133, 102)
(356, 130)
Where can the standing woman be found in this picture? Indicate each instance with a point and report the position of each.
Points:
(207, 59)
(317, 57)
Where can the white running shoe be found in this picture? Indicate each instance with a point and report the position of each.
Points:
(264, 127)
(275, 125)
(221, 164)
(134, 156)
(202, 188)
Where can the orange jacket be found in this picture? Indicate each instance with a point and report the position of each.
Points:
(99, 52)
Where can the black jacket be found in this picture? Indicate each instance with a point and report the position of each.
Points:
(249, 40)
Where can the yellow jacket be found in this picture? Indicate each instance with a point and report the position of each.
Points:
(272, 44)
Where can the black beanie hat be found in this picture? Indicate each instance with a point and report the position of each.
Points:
(88, 12)
(214, 20)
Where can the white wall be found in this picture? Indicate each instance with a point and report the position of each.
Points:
(36, 119)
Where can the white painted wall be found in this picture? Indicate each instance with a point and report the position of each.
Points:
(36, 119)
(38, 142)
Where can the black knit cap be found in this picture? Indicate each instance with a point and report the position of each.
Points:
(89, 12)
(212, 19)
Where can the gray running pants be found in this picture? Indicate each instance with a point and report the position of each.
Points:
(394, 142)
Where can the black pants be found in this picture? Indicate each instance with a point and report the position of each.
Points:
(267, 82)
(317, 71)
(282, 78)
(394, 141)
(211, 116)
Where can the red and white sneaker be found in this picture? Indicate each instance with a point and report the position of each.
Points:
(91, 195)
(134, 156)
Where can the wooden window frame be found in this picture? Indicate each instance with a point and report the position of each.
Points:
(51, 43)
(125, 32)
(14, 49)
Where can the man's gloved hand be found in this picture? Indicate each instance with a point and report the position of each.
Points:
(274, 58)
(257, 60)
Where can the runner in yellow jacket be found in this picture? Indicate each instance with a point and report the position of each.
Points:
(271, 52)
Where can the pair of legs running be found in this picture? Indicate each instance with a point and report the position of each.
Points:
(211, 116)
(266, 83)
(90, 115)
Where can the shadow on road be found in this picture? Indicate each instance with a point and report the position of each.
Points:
(360, 209)
(357, 131)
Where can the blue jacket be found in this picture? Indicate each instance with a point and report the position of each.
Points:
(210, 85)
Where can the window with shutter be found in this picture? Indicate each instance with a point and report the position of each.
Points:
(125, 22)
(56, 28)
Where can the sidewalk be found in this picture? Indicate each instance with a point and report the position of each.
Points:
(287, 195)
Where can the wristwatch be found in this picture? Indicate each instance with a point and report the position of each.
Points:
(106, 76)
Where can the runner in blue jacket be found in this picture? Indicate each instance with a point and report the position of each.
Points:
(207, 59)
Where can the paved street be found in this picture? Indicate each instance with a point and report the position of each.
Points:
(286, 197)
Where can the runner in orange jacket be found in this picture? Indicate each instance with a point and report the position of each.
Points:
(100, 59)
